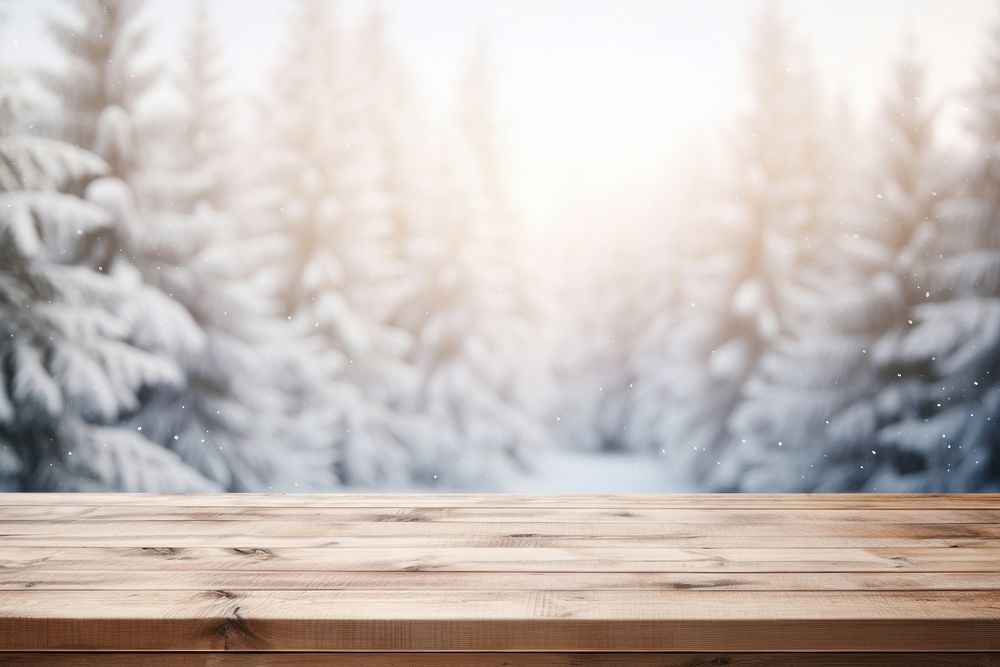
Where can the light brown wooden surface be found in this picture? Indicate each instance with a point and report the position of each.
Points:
(690, 580)
(506, 659)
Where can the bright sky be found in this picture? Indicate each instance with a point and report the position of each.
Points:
(600, 96)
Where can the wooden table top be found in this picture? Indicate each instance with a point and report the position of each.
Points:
(500, 573)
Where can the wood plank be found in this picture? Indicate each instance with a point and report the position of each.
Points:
(231, 533)
(360, 604)
(198, 580)
(500, 620)
(610, 559)
(779, 502)
(508, 659)
(600, 516)
(513, 539)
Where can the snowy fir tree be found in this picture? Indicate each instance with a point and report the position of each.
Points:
(884, 252)
(402, 132)
(99, 91)
(590, 412)
(331, 267)
(102, 81)
(836, 390)
(524, 341)
(654, 311)
(205, 138)
(681, 400)
(194, 314)
(741, 285)
(484, 381)
(944, 365)
(70, 365)
(789, 210)
(614, 375)
(229, 420)
(233, 419)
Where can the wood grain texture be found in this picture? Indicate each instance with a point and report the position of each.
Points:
(258, 557)
(257, 659)
(281, 531)
(200, 580)
(553, 580)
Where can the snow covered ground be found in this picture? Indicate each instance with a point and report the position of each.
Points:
(564, 471)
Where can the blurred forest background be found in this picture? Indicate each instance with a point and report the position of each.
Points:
(322, 284)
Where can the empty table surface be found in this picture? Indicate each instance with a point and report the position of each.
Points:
(500, 579)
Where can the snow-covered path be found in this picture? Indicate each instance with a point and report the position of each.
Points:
(559, 471)
(562, 471)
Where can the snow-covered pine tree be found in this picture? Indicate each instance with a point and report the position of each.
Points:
(69, 363)
(98, 88)
(611, 371)
(743, 275)
(102, 88)
(401, 131)
(944, 368)
(882, 255)
(206, 132)
(103, 79)
(788, 395)
(836, 392)
(232, 419)
(235, 419)
(331, 265)
(483, 138)
(664, 277)
(652, 312)
(686, 364)
(477, 343)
